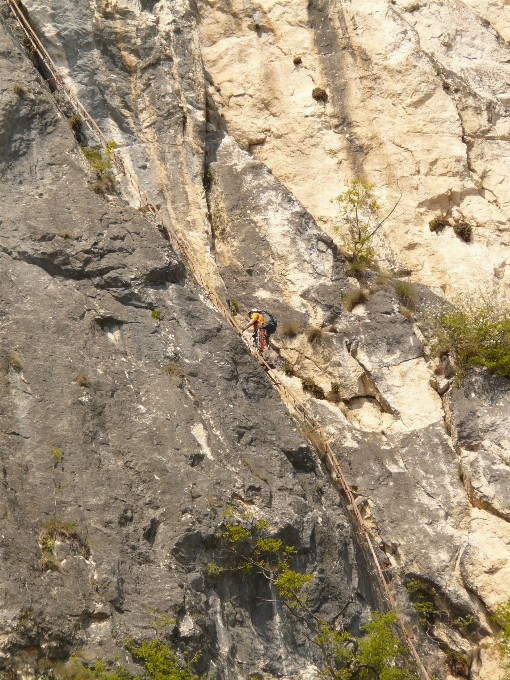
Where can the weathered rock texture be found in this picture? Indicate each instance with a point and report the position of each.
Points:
(210, 106)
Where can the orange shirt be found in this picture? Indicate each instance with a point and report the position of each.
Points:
(259, 320)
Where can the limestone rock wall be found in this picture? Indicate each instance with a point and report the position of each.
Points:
(210, 105)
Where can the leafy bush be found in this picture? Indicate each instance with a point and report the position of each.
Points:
(422, 601)
(355, 297)
(160, 663)
(156, 314)
(314, 336)
(288, 330)
(158, 660)
(475, 331)
(83, 380)
(406, 293)
(101, 164)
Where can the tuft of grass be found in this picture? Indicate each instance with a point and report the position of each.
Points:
(57, 530)
(57, 455)
(358, 267)
(233, 306)
(334, 394)
(83, 380)
(175, 372)
(156, 314)
(331, 329)
(14, 361)
(319, 94)
(76, 123)
(64, 234)
(406, 313)
(355, 297)
(309, 385)
(18, 89)
(28, 45)
(406, 293)
(288, 330)
(288, 369)
(208, 179)
(314, 336)
(464, 231)
(335, 387)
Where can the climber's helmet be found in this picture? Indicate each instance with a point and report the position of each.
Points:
(253, 311)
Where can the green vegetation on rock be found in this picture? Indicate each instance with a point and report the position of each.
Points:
(474, 331)
(248, 547)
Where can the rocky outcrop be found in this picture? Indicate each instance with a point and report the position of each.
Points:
(211, 108)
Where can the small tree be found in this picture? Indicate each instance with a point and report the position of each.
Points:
(246, 546)
(359, 211)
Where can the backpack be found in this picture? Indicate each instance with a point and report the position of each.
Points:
(270, 323)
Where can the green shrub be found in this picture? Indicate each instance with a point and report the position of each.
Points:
(314, 336)
(457, 662)
(335, 387)
(309, 385)
(475, 331)
(57, 455)
(101, 163)
(464, 231)
(156, 314)
(438, 224)
(355, 297)
(160, 663)
(14, 361)
(288, 329)
(406, 293)
(422, 600)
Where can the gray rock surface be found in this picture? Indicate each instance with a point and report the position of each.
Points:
(148, 457)
(173, 418)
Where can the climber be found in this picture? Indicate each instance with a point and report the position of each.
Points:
(265, 321)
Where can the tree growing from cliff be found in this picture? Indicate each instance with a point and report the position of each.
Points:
(246, 546)
(359, 212)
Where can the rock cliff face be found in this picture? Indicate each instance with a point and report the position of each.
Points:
(210, 105)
